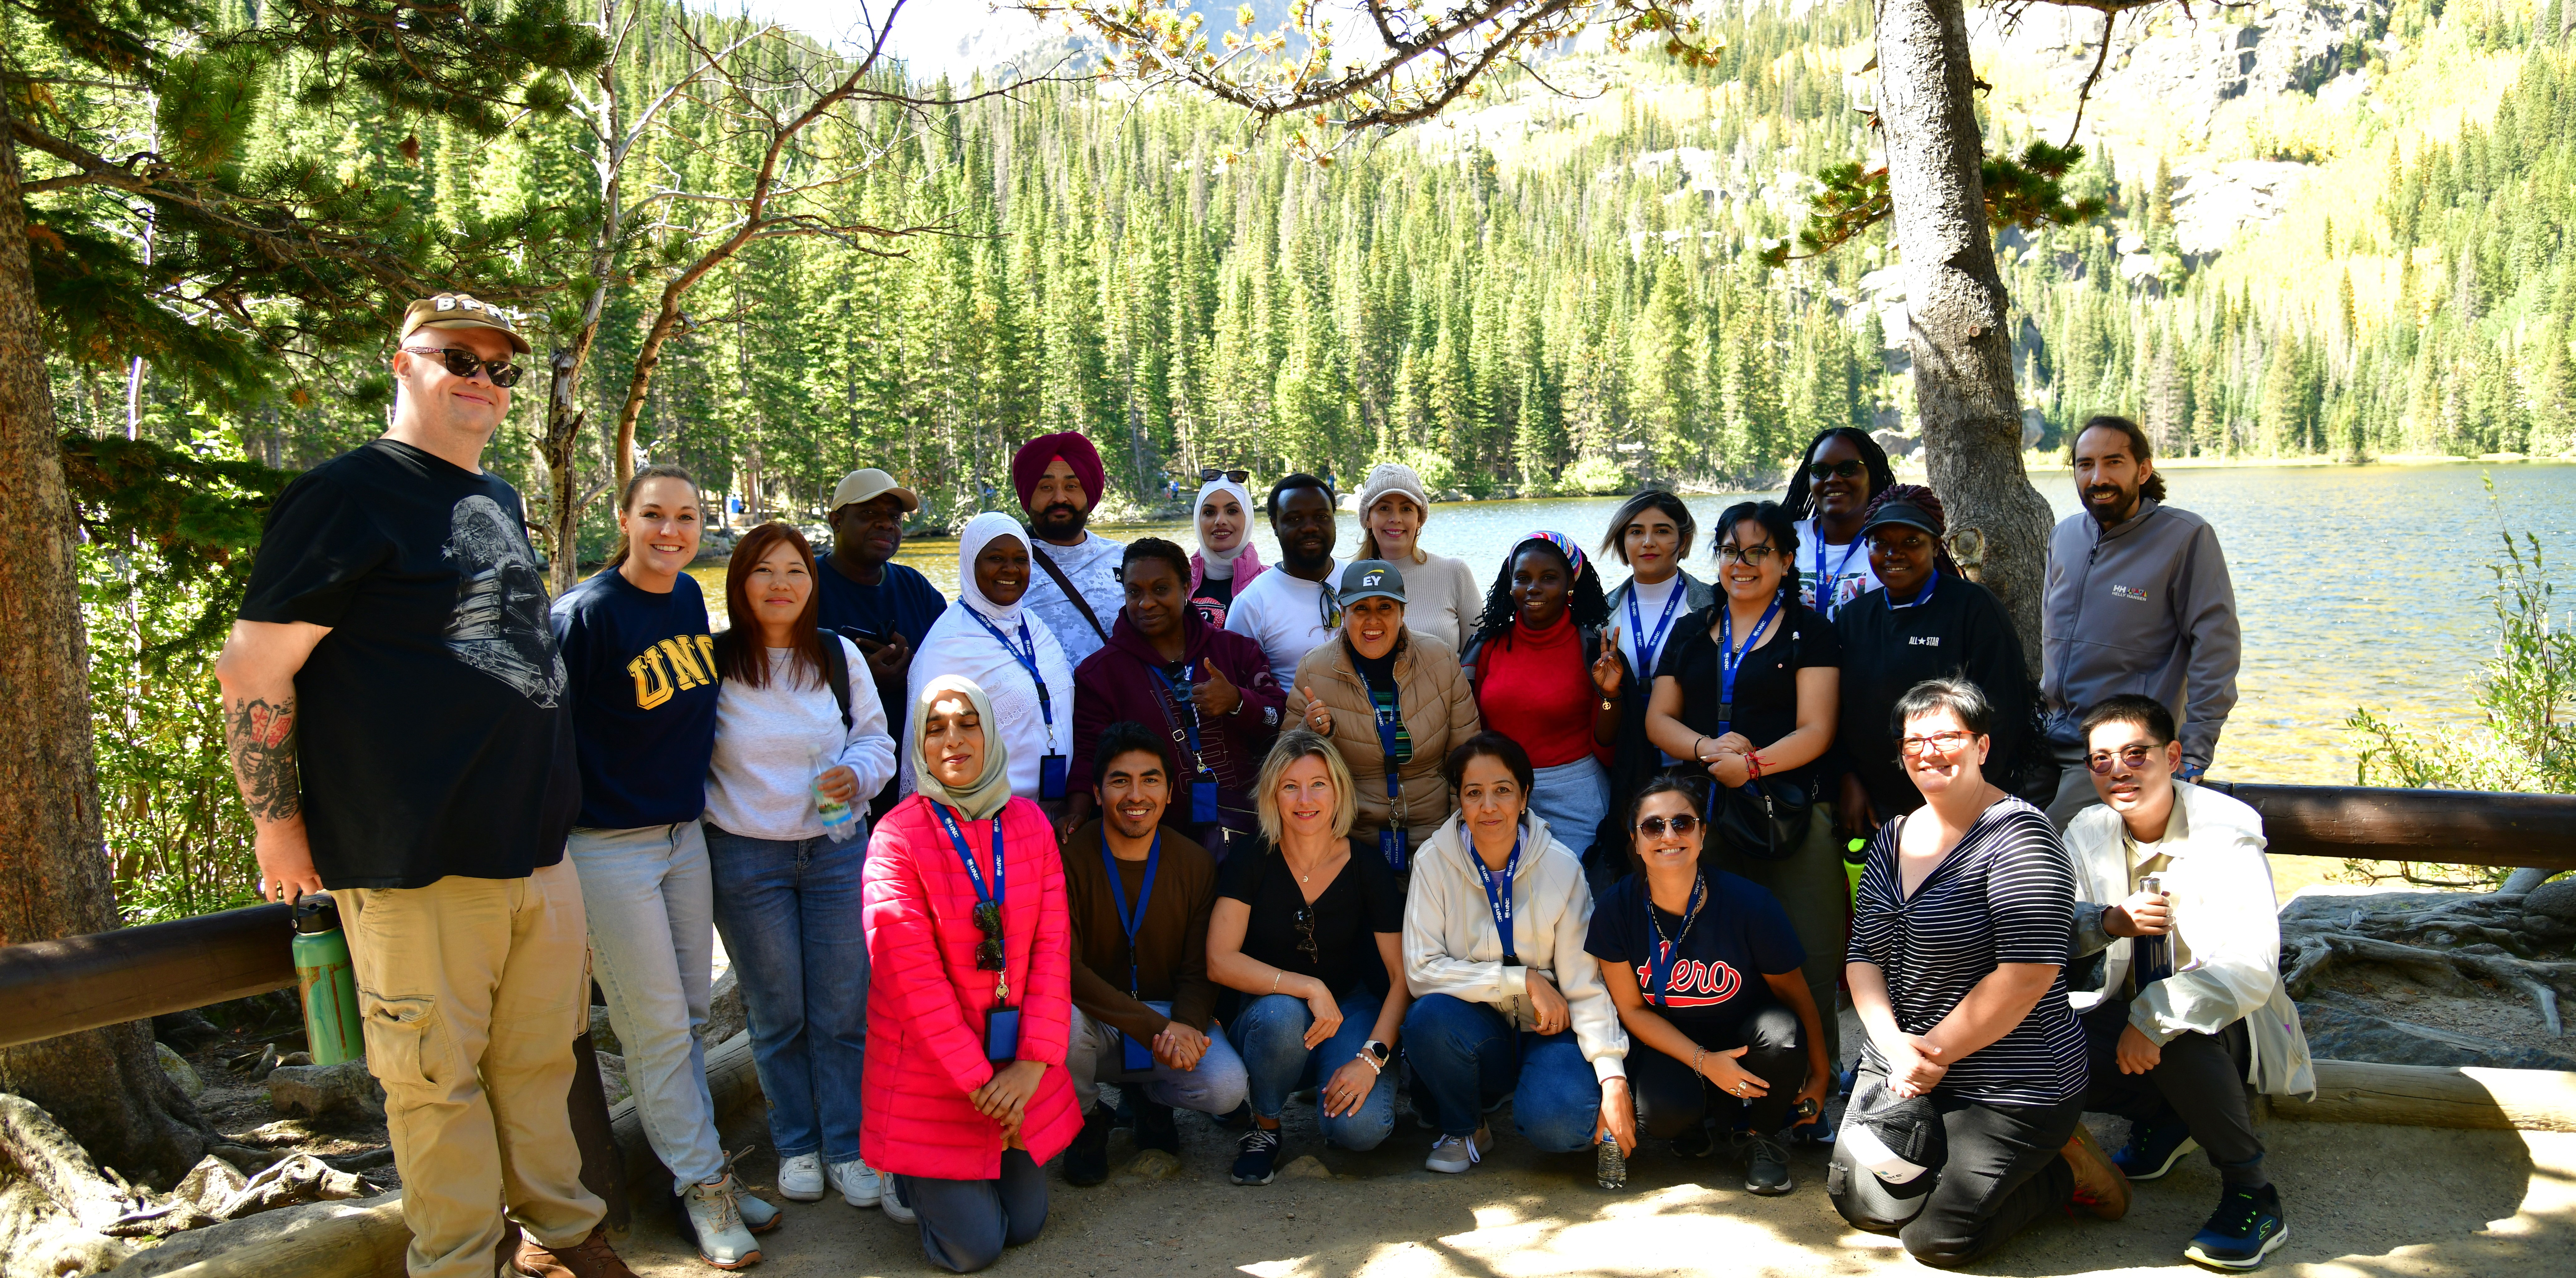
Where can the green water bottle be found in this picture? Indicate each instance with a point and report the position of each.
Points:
(325, 981)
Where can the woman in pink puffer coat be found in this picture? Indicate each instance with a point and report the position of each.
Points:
(961, 1137)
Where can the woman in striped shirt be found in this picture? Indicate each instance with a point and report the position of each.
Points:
(1957, 971)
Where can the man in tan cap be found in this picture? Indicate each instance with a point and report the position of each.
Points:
(880, 605)
(396, 711)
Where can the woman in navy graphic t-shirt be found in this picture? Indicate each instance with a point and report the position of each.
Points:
(1705, 969)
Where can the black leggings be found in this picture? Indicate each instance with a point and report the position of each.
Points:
(2004, 1171)
(1672, 1100)
(2199, 1080)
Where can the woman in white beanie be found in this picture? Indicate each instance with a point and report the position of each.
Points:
(1442, 597)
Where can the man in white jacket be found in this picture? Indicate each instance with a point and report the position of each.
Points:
(2176, 1035)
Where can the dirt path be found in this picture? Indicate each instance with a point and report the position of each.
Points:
(2362, 1201)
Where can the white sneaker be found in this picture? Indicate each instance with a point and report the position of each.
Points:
(800, 1178)
(1458, 1153)
(859, 1184)
(893, 1203)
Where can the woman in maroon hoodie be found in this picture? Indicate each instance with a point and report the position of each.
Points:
(1208, 692)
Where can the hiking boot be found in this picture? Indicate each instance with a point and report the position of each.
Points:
(1766, 1164)
(800, 1178)
(2244, 1229)
(757, 1215)
(1256, 1159)
(716, 1222)
(896, 1209)
(2153, 1149)
(2099, 1186)
(1086, 1160)
(1156, 1128)
(592, 1257)
(859, 1183)
(1454, 1154)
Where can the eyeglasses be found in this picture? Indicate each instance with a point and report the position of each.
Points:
(1822, 471)
(1936, 743)
(2130, 756)
(1753, 555)
(1207, 473)
(1306, 934)
(1653, 827)
(463, 363)
(988, 953)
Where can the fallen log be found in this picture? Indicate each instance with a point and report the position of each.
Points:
(731, 1083)
(2424, 1096)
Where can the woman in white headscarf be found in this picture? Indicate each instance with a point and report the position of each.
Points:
(1225, 561)
(985, 637)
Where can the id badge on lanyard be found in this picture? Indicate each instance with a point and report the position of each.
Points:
(1051, 766)
(1133, 1056)
(1391, 842)
(1730, 658)
(1500, 903)
(1203, 807)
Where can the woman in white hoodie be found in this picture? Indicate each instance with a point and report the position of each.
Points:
(987, 637)
(1505, 998)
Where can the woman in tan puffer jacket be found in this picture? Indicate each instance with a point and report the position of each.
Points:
(1374, 686)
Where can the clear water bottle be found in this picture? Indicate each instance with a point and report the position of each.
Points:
(2154, 958)
(840, 820)
(1608, 1164)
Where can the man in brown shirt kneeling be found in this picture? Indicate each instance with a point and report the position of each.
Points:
(1139, 897)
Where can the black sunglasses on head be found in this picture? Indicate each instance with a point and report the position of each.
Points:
(462, 363)
(1207, 473)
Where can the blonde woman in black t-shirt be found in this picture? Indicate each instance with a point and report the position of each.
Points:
(1310, 939)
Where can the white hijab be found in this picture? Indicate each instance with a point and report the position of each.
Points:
(1220, 564)
(959, 645)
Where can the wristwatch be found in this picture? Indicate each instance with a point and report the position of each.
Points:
(1377, 1051)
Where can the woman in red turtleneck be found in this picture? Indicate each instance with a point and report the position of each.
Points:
(1545, 679)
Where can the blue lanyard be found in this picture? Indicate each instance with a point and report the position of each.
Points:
(974, 872)
(1131, 922)
(1386, 749)
(1825, 589)
(1730, 657)
(1189, 710)
(1647, 648)
(1923, 598)
(1500, 903)
(1659, 963)
(1028, 661)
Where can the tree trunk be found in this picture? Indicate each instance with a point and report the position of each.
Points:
(104, 1085)
(1956, 306)
(559, 449)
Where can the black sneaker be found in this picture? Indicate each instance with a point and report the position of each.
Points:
(1086, 1160)
(1694, 1142)
(1256, 1161)
(2244, 1229)
(1155, 1128)
(2153, 1149)
(1766, 1164)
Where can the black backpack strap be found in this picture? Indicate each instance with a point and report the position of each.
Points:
(1080, 604)
(836, 672)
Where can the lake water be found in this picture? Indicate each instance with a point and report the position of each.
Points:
(2357, 585)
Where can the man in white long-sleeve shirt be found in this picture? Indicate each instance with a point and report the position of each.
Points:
(2174, 1039)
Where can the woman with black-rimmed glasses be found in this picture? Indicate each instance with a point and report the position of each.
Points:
(1309, 940)
(1705, 970)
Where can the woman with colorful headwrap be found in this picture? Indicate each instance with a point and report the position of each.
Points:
(1226, 560)
(991, 638)
(1544, 678)
(1927, 622)
(970, 994)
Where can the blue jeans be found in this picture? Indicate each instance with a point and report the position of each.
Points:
(965, 1224)
(1466, 1055)
(1215, 1086)
(652, 947)
(1270, 1036)
(789, 914)
(1572, 798)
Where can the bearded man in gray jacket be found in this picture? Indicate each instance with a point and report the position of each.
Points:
(2138, 602)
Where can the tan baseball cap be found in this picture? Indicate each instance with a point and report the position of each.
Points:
(868, 485)
(461, 310)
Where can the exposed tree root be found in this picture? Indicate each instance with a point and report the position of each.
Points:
(2495, 950)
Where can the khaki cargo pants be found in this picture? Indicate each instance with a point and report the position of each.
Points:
(472, 991)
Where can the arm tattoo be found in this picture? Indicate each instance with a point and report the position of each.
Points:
(263, 749)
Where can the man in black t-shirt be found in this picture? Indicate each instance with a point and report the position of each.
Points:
(396, 711)
(882, 606)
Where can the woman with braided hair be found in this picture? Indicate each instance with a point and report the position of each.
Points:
(1545, 678)
(1829, 496)
(1928, 621)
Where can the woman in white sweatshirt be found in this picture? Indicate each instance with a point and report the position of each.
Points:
(988, 638)
(796, 736)
(1505, 998)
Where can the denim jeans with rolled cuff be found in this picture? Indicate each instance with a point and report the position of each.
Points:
(1467, 1055)
(789, 914)
(1270, 1035)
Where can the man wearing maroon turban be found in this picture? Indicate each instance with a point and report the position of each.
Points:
(1060, 479)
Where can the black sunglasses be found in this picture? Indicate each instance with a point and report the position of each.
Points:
(463, 363)
(1306, 934)
(1207, 473)
(988, 954)
(1653, 827)
(2134, 756)
(1822, 471)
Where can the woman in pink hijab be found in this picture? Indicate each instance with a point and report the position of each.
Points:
(1225, 561)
